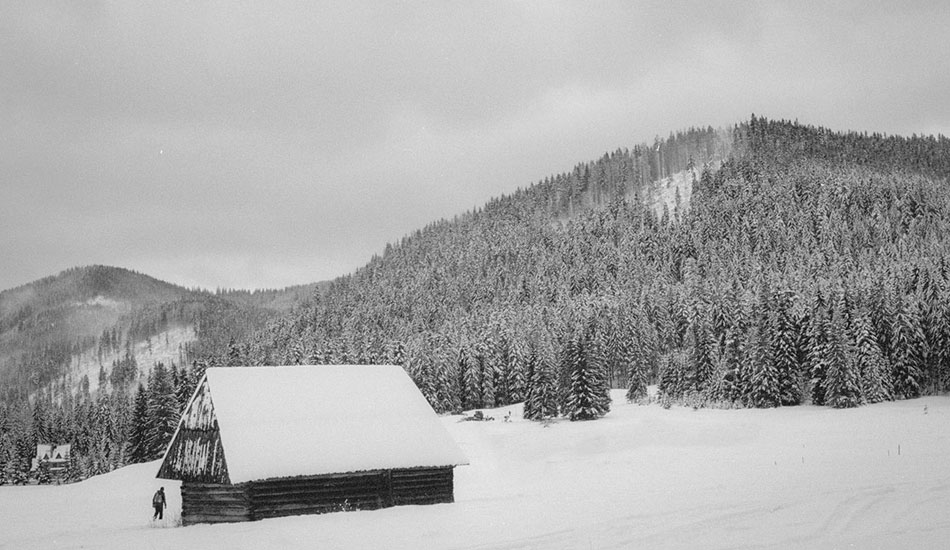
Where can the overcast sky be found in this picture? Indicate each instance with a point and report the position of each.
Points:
(249, 145)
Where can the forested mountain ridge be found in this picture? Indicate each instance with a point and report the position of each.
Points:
(115, 323)
(810, 267)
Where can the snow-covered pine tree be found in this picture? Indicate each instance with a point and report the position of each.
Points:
(162, 410)
(842, 388)
(763, 381)
(17, 471)
(907, 342)
(420, 369)
(636, 386)
(784, 351)
(730, 360)
(817, 354)
(185, 388)
(471, 387)
(631, 354)
(517, 357)
(672, 379)
(532, 404)
(930, 318)
(138, 436)
(882, 312)
(236, 357)
(545, 383)
(395, 353)
(444, 375)
(43, 476)
(875, 377)
(583, 401)
(7, 457)
(487, 372)
(502, 361)
(597, 358)
(701, 356)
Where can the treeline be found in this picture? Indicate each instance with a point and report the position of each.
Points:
(106, 432)
(803, 271)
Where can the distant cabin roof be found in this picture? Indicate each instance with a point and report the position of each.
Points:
(311, 420)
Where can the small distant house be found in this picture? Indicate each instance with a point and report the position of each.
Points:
(56, 457)
(261, 442)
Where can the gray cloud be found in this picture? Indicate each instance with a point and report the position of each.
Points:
(267, 144)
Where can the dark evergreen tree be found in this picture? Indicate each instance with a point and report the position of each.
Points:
(907, 367)
(817, 353)
(542, 399)
(785, 354)
(872, 367)
(674, 371)
(588, 398)
(163, 410)
(842, 387)
(765, 389)
(139, 450)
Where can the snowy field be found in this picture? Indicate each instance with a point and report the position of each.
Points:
(642, 477)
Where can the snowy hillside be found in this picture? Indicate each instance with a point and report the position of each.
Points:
(642, 477)
(166, 347)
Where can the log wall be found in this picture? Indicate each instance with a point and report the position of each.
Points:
(216, 503)
(423, 486)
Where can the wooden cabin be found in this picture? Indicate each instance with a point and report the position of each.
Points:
(261, 442)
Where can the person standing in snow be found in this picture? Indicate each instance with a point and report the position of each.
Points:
(158, 502)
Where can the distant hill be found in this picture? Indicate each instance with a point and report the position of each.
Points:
(60, 329)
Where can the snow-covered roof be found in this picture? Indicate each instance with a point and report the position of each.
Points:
(312, 420)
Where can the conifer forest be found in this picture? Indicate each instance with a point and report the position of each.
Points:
(805, 266)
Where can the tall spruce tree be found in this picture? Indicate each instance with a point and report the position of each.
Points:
(841, 385)
(875, 377)
(588, 397)
(543, 396)
(138, 437)
(907, 367)
(817, 353)
(764, 387)
(162, 409)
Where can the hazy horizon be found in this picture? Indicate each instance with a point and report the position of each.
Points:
(265, 146)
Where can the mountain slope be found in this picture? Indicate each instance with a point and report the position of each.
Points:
(67, 330)
(42, 324)
(803, 245)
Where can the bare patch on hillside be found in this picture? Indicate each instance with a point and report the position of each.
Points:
(166, 347)
(673, 193)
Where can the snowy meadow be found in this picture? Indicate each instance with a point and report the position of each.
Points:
(641, 477)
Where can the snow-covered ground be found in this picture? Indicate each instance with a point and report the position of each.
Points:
(642, 477)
